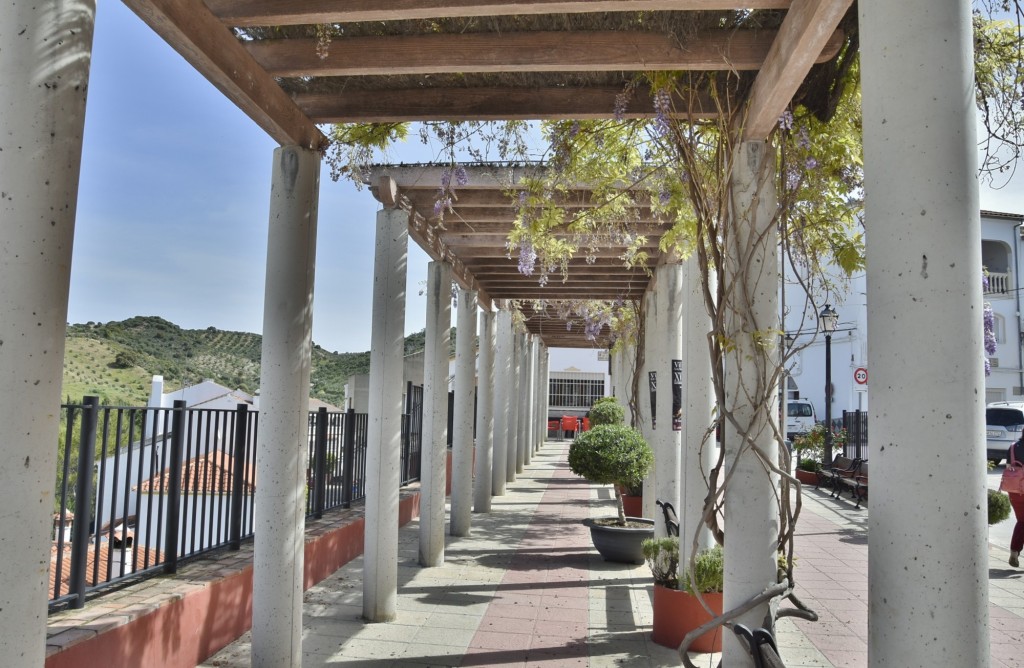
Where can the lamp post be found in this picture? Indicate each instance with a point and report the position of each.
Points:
(828, 319)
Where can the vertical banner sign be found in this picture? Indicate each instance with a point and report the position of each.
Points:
(677, 395)
(652, 380)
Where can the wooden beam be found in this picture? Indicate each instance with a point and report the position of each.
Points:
(535, 51)
(490, 220)
(303, 12)
(488, 104)
(498, 239)
(196, 34)
(423, 198)
(807, 33)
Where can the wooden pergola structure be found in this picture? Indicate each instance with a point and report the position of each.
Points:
(297, 65)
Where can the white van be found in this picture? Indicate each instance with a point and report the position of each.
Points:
(1004, 425)
(800, 417)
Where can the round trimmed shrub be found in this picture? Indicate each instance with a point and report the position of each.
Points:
(998, 506)
(607, 410)
(611, 454)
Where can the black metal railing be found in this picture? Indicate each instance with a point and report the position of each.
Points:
(140, 489)
(856, 425)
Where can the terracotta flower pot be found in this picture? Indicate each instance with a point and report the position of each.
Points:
(807, 477)
(633, 505)
(676, 613)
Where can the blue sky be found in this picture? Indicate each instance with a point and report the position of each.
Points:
(174, 197)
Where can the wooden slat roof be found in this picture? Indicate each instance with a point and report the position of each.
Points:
(473, 237)
(293, 66)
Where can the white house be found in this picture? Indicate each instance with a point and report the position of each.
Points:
(851, 371)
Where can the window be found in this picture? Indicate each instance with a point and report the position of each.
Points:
(574, 392)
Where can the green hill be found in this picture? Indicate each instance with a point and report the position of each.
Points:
(116, 360)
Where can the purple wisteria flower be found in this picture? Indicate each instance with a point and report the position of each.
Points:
(621, 102)
(786, 120)
(990, 333)
(662, 109)
(527, 258)
(810, 164)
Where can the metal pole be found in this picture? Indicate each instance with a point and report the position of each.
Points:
(83, 499)
(174, 486)
(828, 399)
(348, 460)
(237, 474)
(320, 464)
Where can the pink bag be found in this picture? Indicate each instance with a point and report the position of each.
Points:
(1013, 475)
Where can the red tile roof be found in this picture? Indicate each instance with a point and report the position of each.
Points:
(209, 474)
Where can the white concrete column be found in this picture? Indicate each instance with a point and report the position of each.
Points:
(522, 407)
(435, 413)
(44, 75)
(751, 315)
(502, 395)
(282, 444)
(646, 426)
(652, 355)
(668, 439)
(513, 462)
(542, 397)
(384, 432)
(627, 362)
(462, 420)
(545, 397)
(484, 415)
(530, 375)
(540, 420)
(698, 447)
(928, 556)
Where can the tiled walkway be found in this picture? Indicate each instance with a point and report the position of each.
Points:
(527, 589)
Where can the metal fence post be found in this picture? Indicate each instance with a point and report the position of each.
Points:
(348, 457)
(320, 464)
(83, 500)
(174, 487)
(238, 474)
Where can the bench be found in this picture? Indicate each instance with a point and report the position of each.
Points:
(861, 480)
(842, 468)
(853, 478)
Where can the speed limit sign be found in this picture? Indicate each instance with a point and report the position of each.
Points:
(860, 374)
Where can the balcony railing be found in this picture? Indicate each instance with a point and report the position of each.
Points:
(139, 489)
(998, 283)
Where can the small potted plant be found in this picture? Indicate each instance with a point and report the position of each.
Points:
(614, 454)
(809, 449)
(677, 609)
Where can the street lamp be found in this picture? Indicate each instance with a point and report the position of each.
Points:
(828, 319)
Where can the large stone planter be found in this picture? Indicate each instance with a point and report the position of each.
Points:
(621, 544)
(676, 613)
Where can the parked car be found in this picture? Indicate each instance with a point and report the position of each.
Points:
(1004, 422)
(800, 417)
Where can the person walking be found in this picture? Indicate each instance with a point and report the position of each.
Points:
(1015, 457)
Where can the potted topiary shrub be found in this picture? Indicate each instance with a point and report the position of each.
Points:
(614, 454)
(677, 609)
(608, 410)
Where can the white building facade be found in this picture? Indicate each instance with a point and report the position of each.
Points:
(851, 373)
